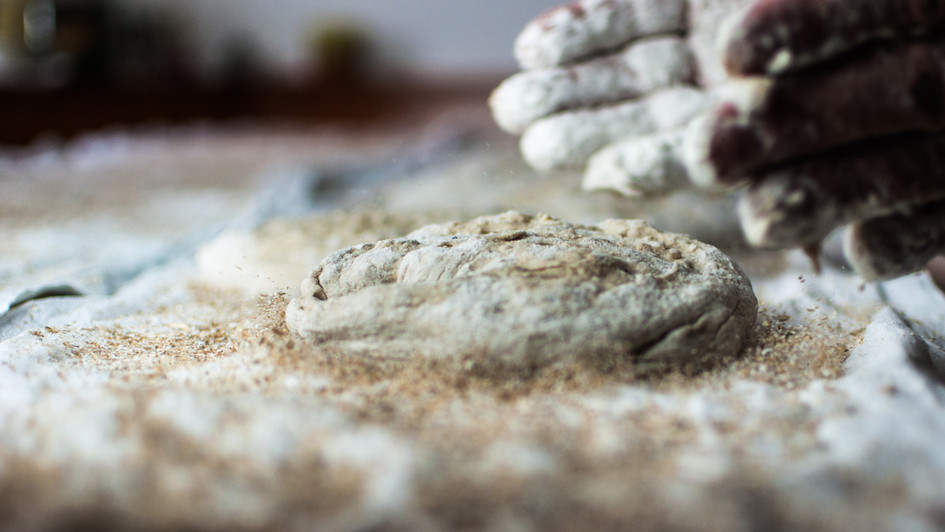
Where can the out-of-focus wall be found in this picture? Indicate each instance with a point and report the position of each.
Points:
(439, 37)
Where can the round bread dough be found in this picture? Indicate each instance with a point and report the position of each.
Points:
(519, 291)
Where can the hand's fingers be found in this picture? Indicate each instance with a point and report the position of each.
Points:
(800, 204)
(640, 68)
(893, 246)
(705, 19)
(588, 27)
(774, 36)
(567, 140)
(651, 164)
(762, 122)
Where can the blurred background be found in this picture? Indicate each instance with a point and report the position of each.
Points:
(68, 66)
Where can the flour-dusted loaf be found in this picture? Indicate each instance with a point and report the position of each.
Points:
(514, 291)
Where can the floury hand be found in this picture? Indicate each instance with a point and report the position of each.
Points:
(611, 85)
(835, 115)
(836, 118)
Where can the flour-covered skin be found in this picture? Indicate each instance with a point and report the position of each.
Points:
(650, 164)
(576, 95)
(776, 36)
(885, 91)
(579, 29)
(899, 244)
(800, 204)
(826, 89)
(707, 21)
(567, 140)
(640, 68)
(847, 132)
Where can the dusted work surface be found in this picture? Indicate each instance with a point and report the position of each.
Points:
(147, 378)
